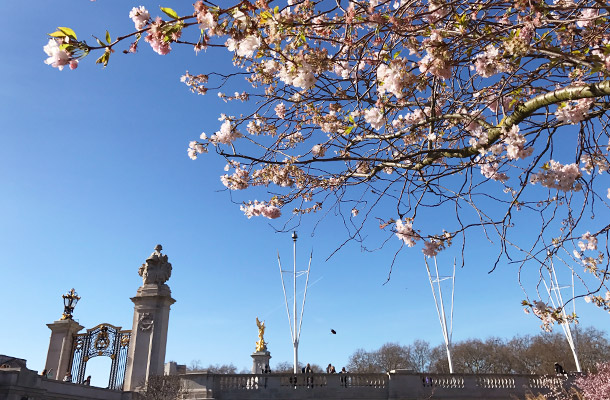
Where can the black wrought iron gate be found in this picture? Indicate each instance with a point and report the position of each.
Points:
(102, 340)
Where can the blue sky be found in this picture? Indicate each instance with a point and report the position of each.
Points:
(95, 173)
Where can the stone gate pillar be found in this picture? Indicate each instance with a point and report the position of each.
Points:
(60, 347)
(146, 355)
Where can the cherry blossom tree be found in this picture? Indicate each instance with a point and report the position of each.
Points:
(596, 386)
(492, 113)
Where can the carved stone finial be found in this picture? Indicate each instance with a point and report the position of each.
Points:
(156, 269)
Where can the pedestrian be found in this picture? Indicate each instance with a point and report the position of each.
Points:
(68, 377)
(328, 368)
(559, 369)
(308, 369)
(332, 369)
(87, 381)
(343, 377)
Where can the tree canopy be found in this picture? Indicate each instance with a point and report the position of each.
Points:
(491, 113)
(517, 355)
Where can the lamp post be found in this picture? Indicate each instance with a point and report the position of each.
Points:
(70, 300)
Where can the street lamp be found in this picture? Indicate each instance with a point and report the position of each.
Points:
(70, 300)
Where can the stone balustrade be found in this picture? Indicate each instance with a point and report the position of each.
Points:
(20, 383)
(395, 385)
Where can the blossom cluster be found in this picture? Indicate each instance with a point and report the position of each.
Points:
(590, 242)
(558, 176)
(256, 208)
(405, 232)
(595, 385)
(227, 133)
(548, 314)
(195, 82)
(140, 17)
(238, 180)
(59, 57)
(195, 148)
(420, 91)
(489, 62)
(573, 112)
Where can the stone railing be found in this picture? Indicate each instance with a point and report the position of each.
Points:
(395, 385)
(22, 383)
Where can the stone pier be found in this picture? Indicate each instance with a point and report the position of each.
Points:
(152, 302)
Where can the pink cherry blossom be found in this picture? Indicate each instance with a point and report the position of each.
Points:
(573, 111)
(237, 181)
(318, 150)
(595, 386)
(280, 110)
(244, 48)
(591, 242)
(256, 208)
(57, 58)
(226, 135)
(558, 176)
(515, 144)
(489, 62)
(393, 78)
(432, 248)
(374, 116)
(205, 19)
(405, 232)
(140, 17)
(157, 38)
(587, 17)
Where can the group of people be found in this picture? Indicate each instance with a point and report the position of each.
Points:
(331, 370)
(67, 377)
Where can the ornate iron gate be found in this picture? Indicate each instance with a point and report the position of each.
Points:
(102, 340)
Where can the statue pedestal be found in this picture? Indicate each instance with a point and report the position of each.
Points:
(60, 347)
(146, 355)
(260, 359)
(148, 341)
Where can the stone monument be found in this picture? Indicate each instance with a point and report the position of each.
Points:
(260, 357)
(146, 355)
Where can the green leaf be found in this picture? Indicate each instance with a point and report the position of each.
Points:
(57, 34)
(170, 13)
(103, 59)
(100, 42)
(108, 37)
(349, 129)
(67, 32)
(265, 15)
(276, 10)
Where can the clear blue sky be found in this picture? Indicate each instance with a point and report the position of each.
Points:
(94, 174)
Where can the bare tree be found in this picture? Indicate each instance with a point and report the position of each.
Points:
(163, 387)
(420, 355)
(391, 356)
(362, 361)
(195, 365)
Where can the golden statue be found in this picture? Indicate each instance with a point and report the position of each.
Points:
(261, 345)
